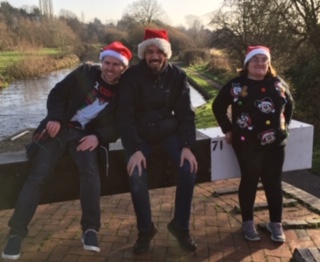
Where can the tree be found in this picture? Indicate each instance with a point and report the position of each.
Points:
(5, 37)
(127, 23)
(46, 8)
(144, 11)
(197, 32)
(291, 28)
(67, 14)
(302, 20)
(240, 23)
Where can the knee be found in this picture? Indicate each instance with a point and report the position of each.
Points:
(185, 169)
(137, 183)
(39, 174)
(89, 170)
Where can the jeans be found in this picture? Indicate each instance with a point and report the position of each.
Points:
(42, 166)
(184, 189)
(264, 164)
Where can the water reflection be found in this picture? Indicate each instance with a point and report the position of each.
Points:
(23, 103)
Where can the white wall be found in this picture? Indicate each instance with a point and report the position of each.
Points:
(224, 164)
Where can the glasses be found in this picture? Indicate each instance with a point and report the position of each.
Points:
(262, 61)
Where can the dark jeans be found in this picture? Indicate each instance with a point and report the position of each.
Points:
(42, 166)
(184, 190)
(264, 164)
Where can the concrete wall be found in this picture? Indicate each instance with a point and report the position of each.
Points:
(64, 184)
(216, 160)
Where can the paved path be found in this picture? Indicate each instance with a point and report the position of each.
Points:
(215, 223)
(304, 180)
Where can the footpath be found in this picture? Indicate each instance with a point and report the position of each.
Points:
(215, 222)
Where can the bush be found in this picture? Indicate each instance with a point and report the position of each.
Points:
(196, 56)
(221, 65)
(35, 65)
(219, 61)
(304, 76)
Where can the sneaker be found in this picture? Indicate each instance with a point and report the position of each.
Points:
(13, 248)
(249, 231)
(90, 240)
(276, 231)
(142, 244)
(183, 237)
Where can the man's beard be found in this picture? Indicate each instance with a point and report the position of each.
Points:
(155, 68)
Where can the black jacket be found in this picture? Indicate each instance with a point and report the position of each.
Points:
(67, 97)
(142, 91)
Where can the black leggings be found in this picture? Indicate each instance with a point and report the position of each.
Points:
(264, 164)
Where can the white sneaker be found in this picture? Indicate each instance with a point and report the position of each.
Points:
(276, 231)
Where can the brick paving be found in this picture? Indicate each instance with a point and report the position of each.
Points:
(215, 222)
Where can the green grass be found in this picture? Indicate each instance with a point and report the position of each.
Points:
(10, 57)
(204, 116)
(19, 59)
(220, 76)
(48, 51)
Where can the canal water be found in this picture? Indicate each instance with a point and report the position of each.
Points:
(23, 103)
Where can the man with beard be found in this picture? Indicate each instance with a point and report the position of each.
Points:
(80, 117)
(155, 109)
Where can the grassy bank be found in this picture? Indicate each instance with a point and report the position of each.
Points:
(31, 63)
(203, 83)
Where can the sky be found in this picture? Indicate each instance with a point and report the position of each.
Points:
(106, 10)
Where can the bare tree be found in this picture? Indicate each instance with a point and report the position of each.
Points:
(291, 28)
(302, 20)
(82, 17)
(67, 14)
(46, 8)
(197, 32)
(240, 23)
(144, 11)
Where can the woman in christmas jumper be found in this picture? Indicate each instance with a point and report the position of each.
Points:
(261, 108)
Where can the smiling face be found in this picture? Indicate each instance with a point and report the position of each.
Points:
(155, 58)
(258, 67)
(111, 69)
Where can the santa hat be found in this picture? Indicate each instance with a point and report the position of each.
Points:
(257, 50)
(116, 50)
(155, 37)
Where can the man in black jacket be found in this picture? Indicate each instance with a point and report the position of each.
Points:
(155, 109)
(80, 117)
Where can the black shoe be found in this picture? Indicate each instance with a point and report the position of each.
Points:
(13, 248)
(90, 240)
(142, 244)
(183, 237)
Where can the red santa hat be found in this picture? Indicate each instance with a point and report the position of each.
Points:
(257, 50)
(155, 37)
(116, 50)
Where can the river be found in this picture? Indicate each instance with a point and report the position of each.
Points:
(23, 103)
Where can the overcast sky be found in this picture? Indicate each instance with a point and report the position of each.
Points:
(106, 10)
